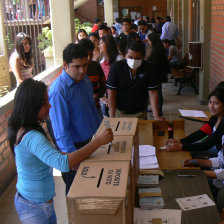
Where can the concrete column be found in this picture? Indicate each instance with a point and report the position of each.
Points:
(3, 47)
(185, 15)
(62, 25)
(205, 38)
(108, 12)
(175, 12)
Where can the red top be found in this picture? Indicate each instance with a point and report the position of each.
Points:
(95, 28)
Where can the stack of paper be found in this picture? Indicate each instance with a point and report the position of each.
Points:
(147, 157)
(192, 113)
(148, 180)
(150, 198)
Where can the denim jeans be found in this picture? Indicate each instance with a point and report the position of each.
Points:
(34, 212)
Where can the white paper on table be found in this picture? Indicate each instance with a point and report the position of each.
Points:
(148, 166)
(148, 160)
(192, 113)
(169, 216)
(194, 202)
(147, 150)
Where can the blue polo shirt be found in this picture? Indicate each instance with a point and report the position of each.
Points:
(73, 111)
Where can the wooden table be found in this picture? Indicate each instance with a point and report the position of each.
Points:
(149, 132)
(174, 187)
(198, 119)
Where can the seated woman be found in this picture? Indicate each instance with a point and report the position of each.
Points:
(21, 60)
(214, 129)
(35, 155)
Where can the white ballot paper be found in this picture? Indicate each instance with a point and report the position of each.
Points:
(195, 202)
(148, 160)
(192, 113)
(147, 150)
(168, 216)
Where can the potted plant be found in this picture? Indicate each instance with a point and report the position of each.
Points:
(46, 45)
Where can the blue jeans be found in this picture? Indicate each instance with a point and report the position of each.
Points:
(34, 212)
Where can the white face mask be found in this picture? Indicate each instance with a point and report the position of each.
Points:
(134, 64)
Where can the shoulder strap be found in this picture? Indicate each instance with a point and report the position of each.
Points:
(22, 135)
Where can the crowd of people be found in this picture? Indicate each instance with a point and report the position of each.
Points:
(111, 72)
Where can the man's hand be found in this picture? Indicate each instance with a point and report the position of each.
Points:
(160, 118)
(105, 137)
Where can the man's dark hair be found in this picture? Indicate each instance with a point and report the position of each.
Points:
(73, 51)
(117, 20)
(158, 18)
(126, 20)
(168, 18)
(166, 41)
(103, 27)
(137, 46)
(96, 20)
(87, 44)
(142, 22)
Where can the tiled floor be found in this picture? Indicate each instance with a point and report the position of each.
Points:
(172, 102)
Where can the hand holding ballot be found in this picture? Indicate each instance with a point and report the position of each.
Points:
(105, 137)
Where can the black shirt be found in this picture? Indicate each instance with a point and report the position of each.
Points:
(132, 92)
(214, 137)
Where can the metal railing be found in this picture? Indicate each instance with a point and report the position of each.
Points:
(28, 17)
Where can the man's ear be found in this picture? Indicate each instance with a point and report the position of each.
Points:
(65, 65)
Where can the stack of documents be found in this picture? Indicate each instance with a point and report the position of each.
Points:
(150, 198)
(192, 113)
(147, 157)
(148, 181)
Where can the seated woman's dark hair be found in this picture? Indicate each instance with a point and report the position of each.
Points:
(28, 100)
(121, 44)
(218, 92)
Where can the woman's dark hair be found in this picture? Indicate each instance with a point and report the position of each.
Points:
(121, 44)
(94, 34)
(220, 85)
(24, 56)
(218, 92)
(80, 31)
(73, 51)
(28, 101)
(111, 46)
(132, 36)
(158, 55)
(87, 44)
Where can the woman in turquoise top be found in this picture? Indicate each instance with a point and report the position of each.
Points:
(35, 155)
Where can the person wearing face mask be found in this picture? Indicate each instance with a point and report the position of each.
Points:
(129, 83)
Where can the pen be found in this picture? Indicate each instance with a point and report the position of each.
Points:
(192, 161)
(186, 175)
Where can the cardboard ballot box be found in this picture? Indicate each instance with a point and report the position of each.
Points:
(100, 193)
(124, 127)
(120, 126)
(121, 149)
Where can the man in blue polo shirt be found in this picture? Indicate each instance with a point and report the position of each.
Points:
(129, 83)
(73, 112)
